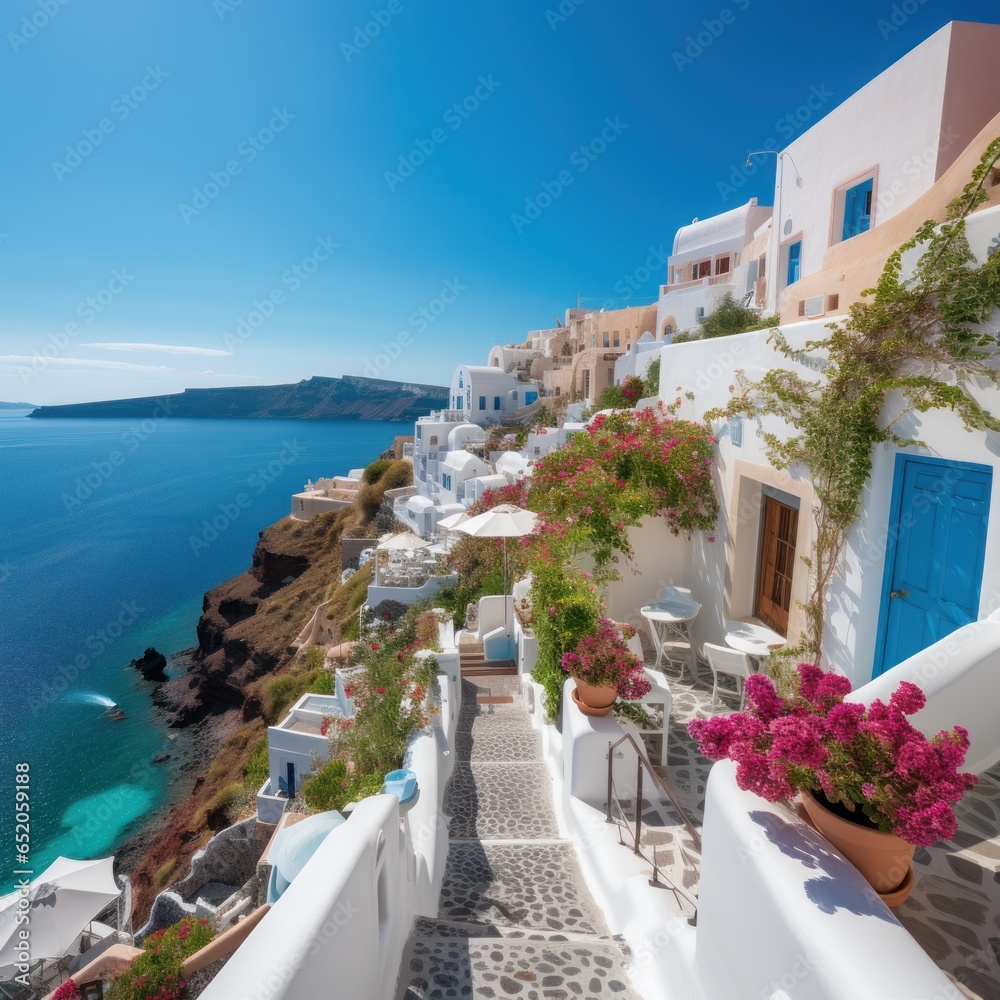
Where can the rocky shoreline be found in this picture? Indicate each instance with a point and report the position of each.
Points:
(214, 699)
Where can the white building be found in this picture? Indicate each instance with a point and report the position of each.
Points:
(486, 394)
(870, 159)
(712, 257)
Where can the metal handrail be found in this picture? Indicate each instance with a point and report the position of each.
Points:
(641, 761)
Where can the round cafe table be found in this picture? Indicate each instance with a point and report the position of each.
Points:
(757, 641)
(670, 618)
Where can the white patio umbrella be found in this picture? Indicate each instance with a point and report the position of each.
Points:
(405, 541)
(504, 521)
(60, 903)
(452, 521)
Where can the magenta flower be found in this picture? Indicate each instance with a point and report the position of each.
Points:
(874, 756)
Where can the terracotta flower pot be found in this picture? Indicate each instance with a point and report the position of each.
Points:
(882, 858)
(593, 700)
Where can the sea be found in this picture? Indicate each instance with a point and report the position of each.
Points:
(111, 531)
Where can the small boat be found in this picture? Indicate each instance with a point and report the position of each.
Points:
(402, 783)
(116, 712)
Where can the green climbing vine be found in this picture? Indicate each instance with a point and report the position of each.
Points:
(913, 344)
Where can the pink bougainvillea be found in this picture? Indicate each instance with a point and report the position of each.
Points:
(604, 660)
(870, 758)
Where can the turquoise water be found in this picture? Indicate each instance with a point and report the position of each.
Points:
(110, 533)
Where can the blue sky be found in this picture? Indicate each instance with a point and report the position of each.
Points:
(176, 169)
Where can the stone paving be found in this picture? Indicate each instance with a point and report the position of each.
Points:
(515, 918)
(954, 909)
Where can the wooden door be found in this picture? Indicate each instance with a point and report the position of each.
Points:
(777, 560)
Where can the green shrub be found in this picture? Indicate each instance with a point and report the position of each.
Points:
(279, 693)
(653, 378)
(257, 769)
(730, 317)
(374, 472)
(156, 973)
(332, 788)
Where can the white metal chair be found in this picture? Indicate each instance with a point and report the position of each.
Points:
(659, 697)
(724, 660)
(670, 647)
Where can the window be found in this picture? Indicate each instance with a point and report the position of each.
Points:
(856, 213)
(736, 431)
(703, 269)
(434, 441)
(419, 429)
(586, 384)
(482, 402)
(513, 395)
(605, 339)
(794, 261)
(496, 402)
(446, 480)
(777, 560)
(460, 381)
(722, 265)
(617, 342)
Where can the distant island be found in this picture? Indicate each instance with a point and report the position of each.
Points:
(17, 406)
(349, 398)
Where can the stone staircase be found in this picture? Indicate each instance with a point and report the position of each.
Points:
(515, 918)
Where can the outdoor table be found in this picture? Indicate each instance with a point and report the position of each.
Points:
(757, 641)
(671, 617)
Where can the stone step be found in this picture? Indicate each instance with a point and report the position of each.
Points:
(477, 666)
(437, 928)
(531, 886)
(492, 801)
(529, 970)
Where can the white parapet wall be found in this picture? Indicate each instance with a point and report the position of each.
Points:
(339, 929)
(960, 675)
(782, 914)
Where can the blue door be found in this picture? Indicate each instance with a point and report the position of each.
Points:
(934, 570)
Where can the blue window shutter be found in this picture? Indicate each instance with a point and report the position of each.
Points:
(482, 402)
(794, 261)
(496, 402)
(858, 209)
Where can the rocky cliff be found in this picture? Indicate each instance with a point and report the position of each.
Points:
(317, 398)
(232, 684)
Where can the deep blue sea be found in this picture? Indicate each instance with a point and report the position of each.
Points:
(104, 550)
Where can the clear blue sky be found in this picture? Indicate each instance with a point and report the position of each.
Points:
(302, 125)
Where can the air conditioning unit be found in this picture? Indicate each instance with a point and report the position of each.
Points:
(815, 306)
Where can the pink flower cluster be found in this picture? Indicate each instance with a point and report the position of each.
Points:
(604, 660)
(873, 758)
